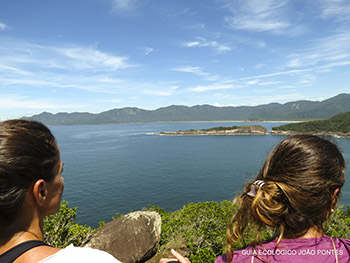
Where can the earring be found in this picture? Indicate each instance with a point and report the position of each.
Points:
(332, 210)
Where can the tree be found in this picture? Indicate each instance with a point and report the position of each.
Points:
(61, 230)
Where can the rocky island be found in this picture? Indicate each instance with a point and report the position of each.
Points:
(233, 130)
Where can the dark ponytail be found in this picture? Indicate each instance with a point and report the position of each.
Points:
(28, 152)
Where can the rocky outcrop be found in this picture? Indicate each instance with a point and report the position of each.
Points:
(130, 238)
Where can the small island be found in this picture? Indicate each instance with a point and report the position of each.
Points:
(233, 130)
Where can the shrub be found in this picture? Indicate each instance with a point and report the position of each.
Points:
(338, 224)
(201, 225)
(61, 230)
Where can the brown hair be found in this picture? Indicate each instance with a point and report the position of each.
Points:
(300, 176)
(28, 152)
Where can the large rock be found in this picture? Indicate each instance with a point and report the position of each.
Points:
(131, 238)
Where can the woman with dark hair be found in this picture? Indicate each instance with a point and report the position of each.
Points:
(31, 188)
(294, 193)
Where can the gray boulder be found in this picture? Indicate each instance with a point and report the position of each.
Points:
(132, 238)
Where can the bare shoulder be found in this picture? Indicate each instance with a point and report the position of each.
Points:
(37, 254)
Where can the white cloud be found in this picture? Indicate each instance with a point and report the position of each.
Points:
(105, 79)
(81, 81)
(148, 50)
(16, 102)
(257, 15)
(263, 99)
(165, 93)
(260, 65)
(13, 69)
(69, 67)
(202, 42)
(269, 83)
(191, 69)
(25, 57)
(200, 26)
(89, 58)
(329, 49)
(335, 64)
(261, 44)
(213, 87)
(290, 72)
(196, 70)
(122, 6)
(287, 87)
(339, 10)
(3, 26)
(216, 104)
(28, 81)
(192, 44)
(112, 100)
(184, 11)
(253, 82)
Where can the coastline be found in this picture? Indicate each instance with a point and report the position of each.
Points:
(146, 122)
(246, 130)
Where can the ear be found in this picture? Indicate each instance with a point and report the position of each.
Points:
(40, 192)
(335, 197)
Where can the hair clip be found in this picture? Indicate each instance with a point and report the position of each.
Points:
(257, 183)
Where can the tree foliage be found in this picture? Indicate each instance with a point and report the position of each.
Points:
(61, 230)
(338, 123)
(203, 228)
(338, 225)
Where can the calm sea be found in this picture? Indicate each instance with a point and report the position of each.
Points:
(111, 169)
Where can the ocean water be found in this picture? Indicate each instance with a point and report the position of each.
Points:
(111, 169)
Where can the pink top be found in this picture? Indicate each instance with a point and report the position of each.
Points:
(314, 250)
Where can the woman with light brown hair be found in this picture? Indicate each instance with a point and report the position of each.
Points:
(31, 188)
(295, 192)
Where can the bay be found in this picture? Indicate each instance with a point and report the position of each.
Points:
(111, 169)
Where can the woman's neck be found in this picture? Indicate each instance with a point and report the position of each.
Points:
(313, 232)
(19, 231)
(8, 240)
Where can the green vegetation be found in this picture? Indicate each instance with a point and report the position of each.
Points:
(339, 123)
(221, 128)
(61, 229)
(198, 229)
(201, 229)
(198, 226)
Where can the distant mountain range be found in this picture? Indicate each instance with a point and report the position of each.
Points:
(296, 110)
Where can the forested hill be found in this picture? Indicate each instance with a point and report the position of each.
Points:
(296, 110)
(340, 123)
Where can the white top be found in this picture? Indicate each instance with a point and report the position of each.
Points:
(72, 254)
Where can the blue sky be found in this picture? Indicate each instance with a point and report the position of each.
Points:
(96, 55)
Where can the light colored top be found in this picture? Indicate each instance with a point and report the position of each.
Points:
(72, 254)
(312, 250)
